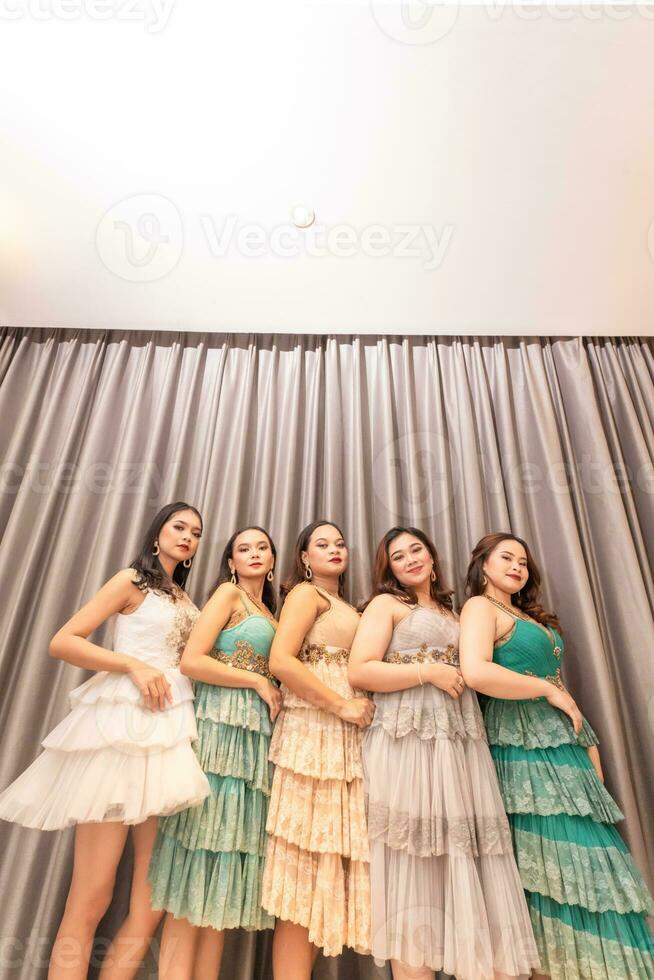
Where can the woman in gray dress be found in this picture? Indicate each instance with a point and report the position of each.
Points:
(445, 889)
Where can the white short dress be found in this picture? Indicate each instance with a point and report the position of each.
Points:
(111, 758)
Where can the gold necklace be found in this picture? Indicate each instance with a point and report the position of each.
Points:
(518, 613)
(260, 606)
(177, 591)
(335, 595)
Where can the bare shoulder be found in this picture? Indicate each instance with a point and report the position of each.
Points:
(226, 594)
(384, 604)
(305, 593)
(304, 596)
(119, 594)
(124, 582)
(477, 607)
(228, 589)
(301, 607)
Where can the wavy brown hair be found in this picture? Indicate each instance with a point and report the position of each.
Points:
(385, 582)
(298, 573)
(528, 600)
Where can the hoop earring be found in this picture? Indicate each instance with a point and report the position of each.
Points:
(187, 562)
(233, 579)
(270, 575)
(484, 583)
(433, 574)
(308, 574)
(155, 550)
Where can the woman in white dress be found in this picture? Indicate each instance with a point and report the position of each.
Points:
(123, 754)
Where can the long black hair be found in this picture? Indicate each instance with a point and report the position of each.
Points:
(298, 571)
(152, 574)
(225, 575)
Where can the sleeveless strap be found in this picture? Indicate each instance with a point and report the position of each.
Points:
(244, 603)
(324, 593)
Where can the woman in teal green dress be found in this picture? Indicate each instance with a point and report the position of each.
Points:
(207, 861)
(587, 899)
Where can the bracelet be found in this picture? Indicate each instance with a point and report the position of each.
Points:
(419, 675)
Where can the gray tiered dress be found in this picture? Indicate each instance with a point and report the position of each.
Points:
(446, 893)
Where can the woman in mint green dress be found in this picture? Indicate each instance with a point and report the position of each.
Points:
(587, 899)
(207, 861)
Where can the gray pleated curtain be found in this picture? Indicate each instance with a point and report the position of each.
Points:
(552, 438)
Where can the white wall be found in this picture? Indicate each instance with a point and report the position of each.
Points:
(521, 137)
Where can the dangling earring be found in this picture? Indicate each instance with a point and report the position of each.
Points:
(308, 573)
(187, 562)
(155, 550)
(484, 583)
(433, 574)
(233, 579)
(270, 575)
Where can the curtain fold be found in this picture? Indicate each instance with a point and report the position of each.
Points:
(552, 438)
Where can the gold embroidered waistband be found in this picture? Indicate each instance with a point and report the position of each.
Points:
(245, 657)
(314, 653)
(425, 654)
(554, 678)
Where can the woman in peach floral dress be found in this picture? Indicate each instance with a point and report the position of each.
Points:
(316, 876)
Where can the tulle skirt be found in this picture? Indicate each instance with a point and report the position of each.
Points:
(111, 759)
(207, 861)
(445, 889)
(316, 872)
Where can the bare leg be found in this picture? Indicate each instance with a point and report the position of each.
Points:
(208, 954)
(130, 944)
(293, 954)
(98, 847)
(402, 972)
(179, 943)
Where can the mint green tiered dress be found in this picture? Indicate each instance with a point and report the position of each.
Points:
(207, 861)
(586, 897)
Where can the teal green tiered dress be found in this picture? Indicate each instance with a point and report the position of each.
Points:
(207, 860)
(586, 897)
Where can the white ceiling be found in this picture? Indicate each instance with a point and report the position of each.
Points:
(509, 151)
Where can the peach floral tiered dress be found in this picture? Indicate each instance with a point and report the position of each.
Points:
(317, 863)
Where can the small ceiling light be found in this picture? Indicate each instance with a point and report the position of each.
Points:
(301, 216)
